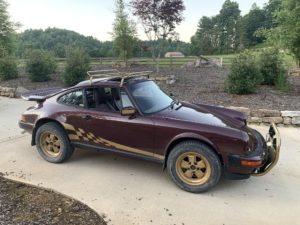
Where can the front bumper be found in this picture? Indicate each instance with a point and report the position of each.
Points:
(261, 160)
(273, 141)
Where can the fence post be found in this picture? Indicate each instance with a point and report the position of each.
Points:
(171, 61)
(221, 62)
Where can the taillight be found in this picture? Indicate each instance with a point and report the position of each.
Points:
(23, 118)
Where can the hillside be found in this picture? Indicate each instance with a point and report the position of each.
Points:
(56, 40)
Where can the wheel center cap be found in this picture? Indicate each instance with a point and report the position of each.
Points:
(193, 167)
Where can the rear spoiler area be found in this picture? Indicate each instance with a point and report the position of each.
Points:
(41, 95)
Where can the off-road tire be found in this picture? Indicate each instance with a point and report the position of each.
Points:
(212, 162)
(65, 150)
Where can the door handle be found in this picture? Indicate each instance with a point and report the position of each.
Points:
(87, 117)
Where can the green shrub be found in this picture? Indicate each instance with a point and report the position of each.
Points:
(270, 64)
(244, 74)
(78, 63)
(40, 65)
(8, 68)
(281, 82)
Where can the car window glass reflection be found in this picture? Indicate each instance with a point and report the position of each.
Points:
(74, 98)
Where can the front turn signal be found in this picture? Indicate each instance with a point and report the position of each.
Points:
(251, 163)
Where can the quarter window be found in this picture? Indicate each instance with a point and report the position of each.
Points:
(74, 98)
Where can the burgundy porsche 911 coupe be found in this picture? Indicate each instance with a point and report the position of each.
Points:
(131, 115)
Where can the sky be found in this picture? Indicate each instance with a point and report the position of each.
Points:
(95, 17)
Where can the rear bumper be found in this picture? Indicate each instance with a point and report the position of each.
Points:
(259, 162)
(28, 127)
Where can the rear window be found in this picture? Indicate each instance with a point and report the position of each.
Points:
(74, 98)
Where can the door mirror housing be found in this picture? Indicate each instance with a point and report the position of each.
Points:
(128, 111)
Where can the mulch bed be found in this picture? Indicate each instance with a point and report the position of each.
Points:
(21, 204)
(200, 85)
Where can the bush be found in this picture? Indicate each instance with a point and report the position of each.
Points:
(40, 65)
(244, 74)
(8, 68)
(78, 63)
(281, 82)
(270, 64)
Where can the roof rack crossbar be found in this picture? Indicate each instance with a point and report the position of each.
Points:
(113, 74)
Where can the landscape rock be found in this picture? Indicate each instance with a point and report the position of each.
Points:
(257, 113)
(290, 113)
(255, 120)
(287, 120)
(241, 109)
(7, 92)
(273, 120)
(20, 91)
(265, 113)
(296, 121)
(272, 113)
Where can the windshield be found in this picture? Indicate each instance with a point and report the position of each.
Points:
(149, 97)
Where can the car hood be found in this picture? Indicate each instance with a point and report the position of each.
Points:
(206, 114)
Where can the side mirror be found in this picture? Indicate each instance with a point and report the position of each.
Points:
(128, 111)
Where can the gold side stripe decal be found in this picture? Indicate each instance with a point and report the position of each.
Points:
(68, 127)
(73, 137)
(80, 133)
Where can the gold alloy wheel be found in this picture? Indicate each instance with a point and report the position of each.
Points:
(193, 168)
(50, 144)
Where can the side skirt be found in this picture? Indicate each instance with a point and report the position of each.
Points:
(102, 149)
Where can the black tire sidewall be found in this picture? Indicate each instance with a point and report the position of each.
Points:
(204, 150)
(66, 149)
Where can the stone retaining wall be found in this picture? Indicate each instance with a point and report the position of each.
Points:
(266, 116)
(8, 92)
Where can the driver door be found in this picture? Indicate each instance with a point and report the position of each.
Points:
(106, 128)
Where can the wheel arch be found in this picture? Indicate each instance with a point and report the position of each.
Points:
(190, 137)
(41, 122)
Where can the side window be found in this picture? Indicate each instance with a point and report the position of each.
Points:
(126, 102)
(74, 98)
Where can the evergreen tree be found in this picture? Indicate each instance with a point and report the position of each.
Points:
(7, 31)
(124, 32)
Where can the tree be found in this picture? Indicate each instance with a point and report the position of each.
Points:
(288, 30)
(159, 19)
(78, 63)
(40, 65)
(7, 31)
(124, 32)
(205, 39)
(244, 76)
(270, 9)
(220, 33)
(228, 26)
(250, 24)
